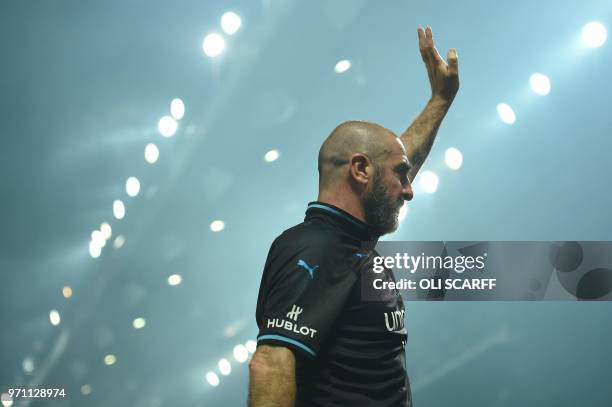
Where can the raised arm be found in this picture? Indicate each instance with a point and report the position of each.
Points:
(444, 81)
(272, 377)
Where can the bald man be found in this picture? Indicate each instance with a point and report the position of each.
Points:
(320, 343)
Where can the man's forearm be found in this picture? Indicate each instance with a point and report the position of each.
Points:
(419, 137)
(272, 380)
(271, 389)
(444, 82)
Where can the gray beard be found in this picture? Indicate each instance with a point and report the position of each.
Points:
(381, 213)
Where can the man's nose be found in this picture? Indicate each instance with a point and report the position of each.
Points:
(407, 193)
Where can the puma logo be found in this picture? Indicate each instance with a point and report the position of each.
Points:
(310, 270)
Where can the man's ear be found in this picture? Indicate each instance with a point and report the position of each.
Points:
(360, 168)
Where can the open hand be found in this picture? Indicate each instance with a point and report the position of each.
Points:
(443, 77)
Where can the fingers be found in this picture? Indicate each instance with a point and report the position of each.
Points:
(430, 53)
(453, 61)
(421, 34)
(428, 33)
(426, 45)
(425, 37)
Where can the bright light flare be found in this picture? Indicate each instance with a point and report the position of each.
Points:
(594, 34)
(151, 153)
(139, 323)
(7, 401)
(540, 84)
(110, 359)
(132, 186)
(225, 367)
(67, 291)
(118, 209)
(213, 45)
(506, 113)
(54, 317)
(97, 237)
(167, 126)
(230, 22)
(241, 354)
(177, 108)
(429, 181)
(212, 379)
(94, 250)
(175, 279)
(453, 158)
(342, 66)
(217, 225)
(106, 230)
(271, 156)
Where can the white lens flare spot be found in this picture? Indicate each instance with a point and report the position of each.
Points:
(594, 34)
(271, 156)
(97, 238)
(403, 212)
(429, 181)
(212, 379)
(241, 354)
(230, 22)
(540, 84)
(85, 389)
(251, 346)
(342, 66)
(7, 401)
(217, 225)
(224, 367)
(94, 250)
(453, 158)
(151, 153)
(132, 186)
(67, 291)
(106, 230)
(28, 365)
(177, 108)
(118, 209)
(54, 317)
(175, 279)
(139, 323)
(506, 113)
(110, 359)
(213, 45)
(167, 126)
(119, 242)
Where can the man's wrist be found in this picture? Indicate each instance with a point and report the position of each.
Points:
(440, 101)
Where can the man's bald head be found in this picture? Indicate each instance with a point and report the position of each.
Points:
(347, 139)
(363, 169)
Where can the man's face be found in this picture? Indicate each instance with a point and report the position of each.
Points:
(389, 189)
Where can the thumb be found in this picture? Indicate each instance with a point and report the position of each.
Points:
(453, 61)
